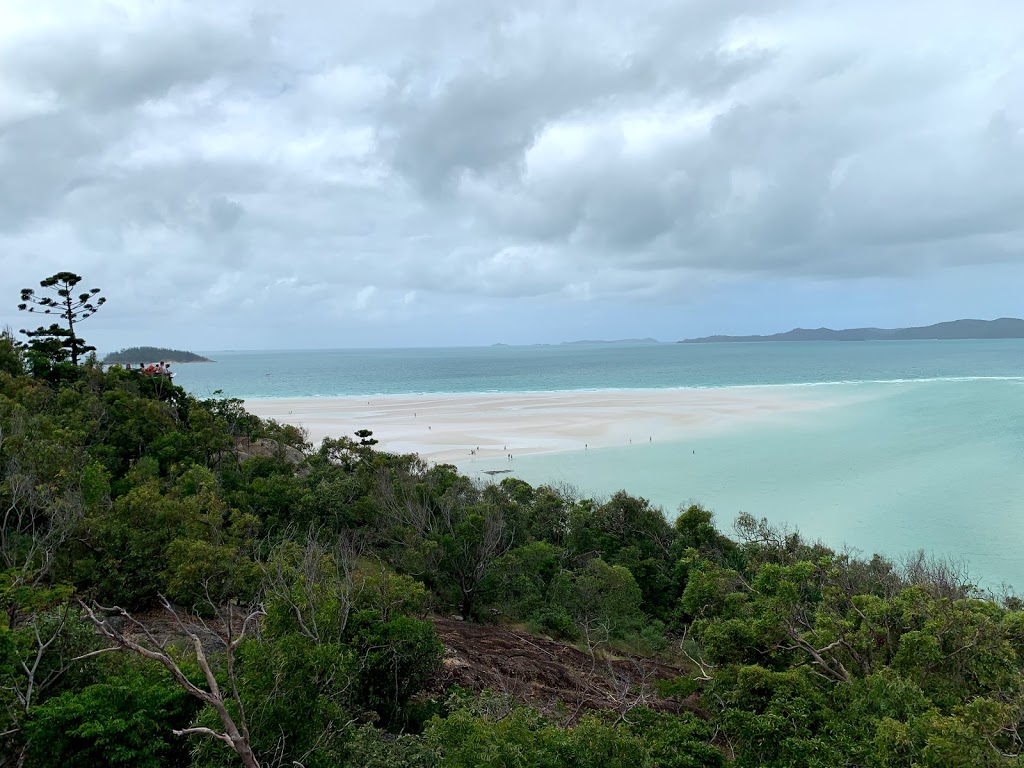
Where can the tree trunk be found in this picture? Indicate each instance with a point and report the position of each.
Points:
(71, 327)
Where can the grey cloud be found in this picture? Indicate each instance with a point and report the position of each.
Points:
(93, 78)
(482, 123)
(484, 117)
(224, 213)
(117, 59)
(692, 204)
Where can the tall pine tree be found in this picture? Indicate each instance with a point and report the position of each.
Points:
(60, 341)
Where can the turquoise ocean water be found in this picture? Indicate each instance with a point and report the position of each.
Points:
(926, 451)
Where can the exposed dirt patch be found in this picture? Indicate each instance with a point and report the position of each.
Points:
(158, 626)
(550, 676)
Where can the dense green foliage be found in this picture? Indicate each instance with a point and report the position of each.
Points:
(476, 733)
(122, 719)
(152, 355)
(307, 577)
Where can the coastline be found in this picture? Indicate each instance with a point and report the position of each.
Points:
(448, 427)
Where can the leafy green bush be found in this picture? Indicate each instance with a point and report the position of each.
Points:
(124, 720)
(603, 600)
(395, 660)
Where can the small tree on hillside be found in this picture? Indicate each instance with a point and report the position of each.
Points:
(10, 355)
(366, 437)
(70, 308)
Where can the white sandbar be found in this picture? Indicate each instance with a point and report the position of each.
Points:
(446, 428)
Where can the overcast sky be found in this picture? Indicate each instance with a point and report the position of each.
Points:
(326, 173)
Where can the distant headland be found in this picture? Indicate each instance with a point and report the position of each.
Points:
(1003, 328)
(624, 342)
(152, 355)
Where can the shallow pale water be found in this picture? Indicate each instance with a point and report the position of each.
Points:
(924, 452)
(921, 465)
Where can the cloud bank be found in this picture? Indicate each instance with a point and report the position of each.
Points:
(361, 166)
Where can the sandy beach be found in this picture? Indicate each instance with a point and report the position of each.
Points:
(447, 428)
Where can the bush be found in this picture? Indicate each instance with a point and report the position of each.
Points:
(555, 622)
(126, 720)
(396, 660)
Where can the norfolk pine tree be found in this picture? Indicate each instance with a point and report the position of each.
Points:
(68, 307)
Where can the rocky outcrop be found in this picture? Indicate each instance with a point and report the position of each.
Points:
(269, 449)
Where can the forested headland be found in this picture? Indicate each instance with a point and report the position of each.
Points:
(184, 584)
(134, 355)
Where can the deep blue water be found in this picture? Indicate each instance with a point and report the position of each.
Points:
(548, 368)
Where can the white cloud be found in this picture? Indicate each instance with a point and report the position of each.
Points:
(363, 297)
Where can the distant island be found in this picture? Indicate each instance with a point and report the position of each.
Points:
(1003, 328)
(588, 342)
(152, 355)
